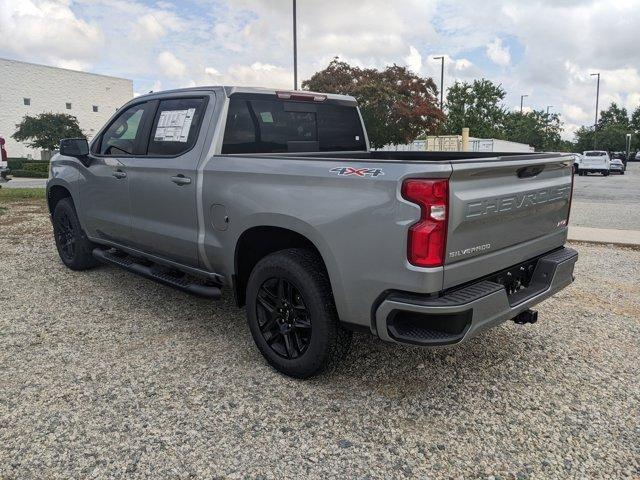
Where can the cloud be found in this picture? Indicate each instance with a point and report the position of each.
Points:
(414, 59)
(47, 31)
(498, 53)
(171, 65)
(545, 48)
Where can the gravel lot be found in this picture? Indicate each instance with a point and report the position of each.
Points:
(105, 375)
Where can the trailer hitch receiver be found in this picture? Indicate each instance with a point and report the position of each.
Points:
(528, 316)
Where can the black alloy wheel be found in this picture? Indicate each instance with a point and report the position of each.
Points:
(283, 318)
(65, 236)
(73, 246)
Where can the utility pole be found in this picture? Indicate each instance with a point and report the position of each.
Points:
(595, 125)
(441, 81)
(295, 48)
(522, 102)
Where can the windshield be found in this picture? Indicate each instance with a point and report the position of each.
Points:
(265, 124)
(595, 154)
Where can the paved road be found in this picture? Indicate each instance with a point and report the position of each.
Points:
(24, 183)
(608, 202)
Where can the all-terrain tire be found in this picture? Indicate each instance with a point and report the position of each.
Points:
(73, 245)
(304, 273)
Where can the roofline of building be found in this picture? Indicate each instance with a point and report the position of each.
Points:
(67, 69)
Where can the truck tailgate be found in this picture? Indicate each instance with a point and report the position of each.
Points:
(503, 211)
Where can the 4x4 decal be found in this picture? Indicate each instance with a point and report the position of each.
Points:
(358, 172)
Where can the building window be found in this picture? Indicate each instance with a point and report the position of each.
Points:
(26, 101)
(95, 108)
(68, 106)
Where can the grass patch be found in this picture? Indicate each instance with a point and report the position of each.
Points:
(22, 193)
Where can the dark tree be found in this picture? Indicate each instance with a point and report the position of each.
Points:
(397, 106)
(45, 130)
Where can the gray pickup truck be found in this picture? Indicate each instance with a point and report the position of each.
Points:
(277, 196)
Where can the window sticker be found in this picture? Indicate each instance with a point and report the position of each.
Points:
(174, 125)
(266, 117)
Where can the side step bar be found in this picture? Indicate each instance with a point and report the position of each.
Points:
(154, 273)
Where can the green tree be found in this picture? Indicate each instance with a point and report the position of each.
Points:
(614, 115)
(476, 105)
(635, 119)
(584, 139)
(45, 130)
(536, 128)
(396, 105)
(611, 133)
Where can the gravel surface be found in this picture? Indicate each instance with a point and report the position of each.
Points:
(106, 375)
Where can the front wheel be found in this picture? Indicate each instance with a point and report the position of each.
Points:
(74, 248)
(606, 174)
(292, 315)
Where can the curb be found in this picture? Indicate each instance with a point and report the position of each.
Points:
(610, 236)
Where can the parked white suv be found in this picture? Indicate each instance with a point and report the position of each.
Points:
(595, 161)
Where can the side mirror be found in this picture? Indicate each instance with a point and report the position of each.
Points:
(74, 147)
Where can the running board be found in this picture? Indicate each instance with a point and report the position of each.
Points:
(153, 273)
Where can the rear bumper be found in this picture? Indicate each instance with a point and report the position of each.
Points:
(593, 169)
(465, 312)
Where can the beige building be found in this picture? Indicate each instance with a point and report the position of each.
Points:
(30, 89)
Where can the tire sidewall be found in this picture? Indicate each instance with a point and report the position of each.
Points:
(312, 360)
(82, 258)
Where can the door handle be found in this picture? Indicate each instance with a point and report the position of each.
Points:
(119, 174)
(181, 180)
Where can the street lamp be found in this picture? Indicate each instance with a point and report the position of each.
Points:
(548, 107)
(295, 48)
(595, 125)
(522, 102)
(441, 81)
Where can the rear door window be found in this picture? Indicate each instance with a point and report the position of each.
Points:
(175, 126)
(276, 126)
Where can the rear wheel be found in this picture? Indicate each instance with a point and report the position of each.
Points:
(292, 315)
(73, 246)
(606, 174)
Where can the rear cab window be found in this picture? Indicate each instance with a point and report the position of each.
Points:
(267, 124)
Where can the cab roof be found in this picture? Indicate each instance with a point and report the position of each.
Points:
(231, 90)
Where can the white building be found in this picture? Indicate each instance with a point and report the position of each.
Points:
(453, 143)
(29, 89)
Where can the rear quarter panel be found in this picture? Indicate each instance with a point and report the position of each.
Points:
(358, 223)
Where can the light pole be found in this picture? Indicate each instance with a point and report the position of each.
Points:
(595, 125)
(522, 102)
(548, 107)
(295, 48)
(441, 81)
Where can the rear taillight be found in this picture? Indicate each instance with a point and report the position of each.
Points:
(427, 237)
(573, 176)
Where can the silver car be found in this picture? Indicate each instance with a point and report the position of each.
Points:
(616, 165)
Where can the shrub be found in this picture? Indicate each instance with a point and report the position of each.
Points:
(42, 167)
(29, 174)
(18, 163)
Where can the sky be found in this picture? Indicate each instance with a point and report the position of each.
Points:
(545, 49)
